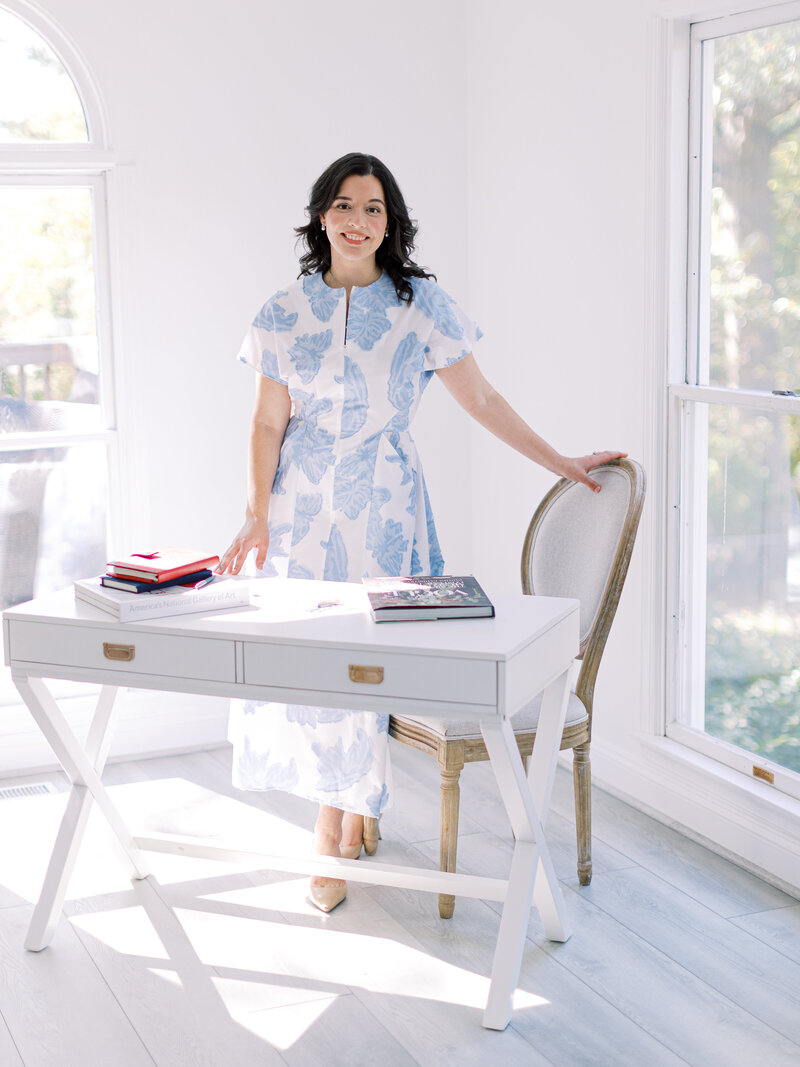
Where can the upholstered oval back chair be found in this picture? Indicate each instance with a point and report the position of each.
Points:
(578, 544)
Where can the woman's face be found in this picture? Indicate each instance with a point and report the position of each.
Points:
(356, 221)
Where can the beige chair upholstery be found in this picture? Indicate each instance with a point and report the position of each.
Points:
(578, 544)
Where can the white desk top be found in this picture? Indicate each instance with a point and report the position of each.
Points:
(287, 612)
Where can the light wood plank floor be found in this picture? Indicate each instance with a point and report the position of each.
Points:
(677, 956)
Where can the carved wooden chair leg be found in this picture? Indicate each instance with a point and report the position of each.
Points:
(582, 783)
(451, 760)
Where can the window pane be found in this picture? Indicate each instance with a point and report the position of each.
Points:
(53, 523)
(53, 517)
(38, 99)
(753, 582)
(48, 332)
(755, 209)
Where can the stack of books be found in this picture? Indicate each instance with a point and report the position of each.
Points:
(170, 581)
(143, 572)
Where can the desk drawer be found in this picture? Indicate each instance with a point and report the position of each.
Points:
(387, 674)
(130, 652)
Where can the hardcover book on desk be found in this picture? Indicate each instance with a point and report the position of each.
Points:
(427, 597)
(135, 585)
(223, 592)
(161, 565)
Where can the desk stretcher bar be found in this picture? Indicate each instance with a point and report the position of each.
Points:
(465, 885)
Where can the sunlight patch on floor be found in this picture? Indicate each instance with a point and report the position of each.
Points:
(29, 825)
(128, 930)
(284, 1027)
(244, 996)
(300, 969)
(340, 959)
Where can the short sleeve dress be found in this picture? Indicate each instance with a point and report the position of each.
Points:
(348, 500)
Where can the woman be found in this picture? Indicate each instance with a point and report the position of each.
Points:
(335, 487)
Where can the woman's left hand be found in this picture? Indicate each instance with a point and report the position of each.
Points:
(577, 470)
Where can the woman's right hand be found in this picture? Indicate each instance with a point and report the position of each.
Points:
(254, 534)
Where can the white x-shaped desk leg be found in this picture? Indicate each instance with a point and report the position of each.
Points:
(532, 875)
(84, 767)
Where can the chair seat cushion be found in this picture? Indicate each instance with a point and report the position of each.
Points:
(525, 721)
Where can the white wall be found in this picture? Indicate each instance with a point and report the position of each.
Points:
(556, 221)
(522, 134)
(557, 179)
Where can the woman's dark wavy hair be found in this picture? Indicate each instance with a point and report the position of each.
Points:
(394, 254)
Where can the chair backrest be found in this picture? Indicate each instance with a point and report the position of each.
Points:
(579, 544)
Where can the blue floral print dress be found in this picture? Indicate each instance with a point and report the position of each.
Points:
(348, 500)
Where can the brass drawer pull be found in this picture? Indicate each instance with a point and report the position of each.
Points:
(367, 675)
(123, 653)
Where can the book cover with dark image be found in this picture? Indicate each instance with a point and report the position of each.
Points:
(427, 597)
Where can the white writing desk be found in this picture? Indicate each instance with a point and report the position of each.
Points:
(287, 648)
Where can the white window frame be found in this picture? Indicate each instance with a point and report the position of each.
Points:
(89, 165)
(687, 393)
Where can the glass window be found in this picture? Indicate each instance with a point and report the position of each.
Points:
(752, 686)
(57, 436)
(49, 371)
(53, 517)
(738, 616)
(39, 100)
(754, 292)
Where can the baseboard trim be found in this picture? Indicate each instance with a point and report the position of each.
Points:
(734, 816)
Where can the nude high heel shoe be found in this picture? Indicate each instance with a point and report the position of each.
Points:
(327, 897)
(372, 834)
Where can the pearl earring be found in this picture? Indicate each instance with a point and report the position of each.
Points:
(322, 224)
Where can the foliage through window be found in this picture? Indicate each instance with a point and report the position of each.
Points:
(740, 611)
(39, 100)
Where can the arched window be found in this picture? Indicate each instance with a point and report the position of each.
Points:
(41, 103)
(57, 424)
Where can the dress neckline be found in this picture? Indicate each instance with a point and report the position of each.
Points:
(360, 288)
